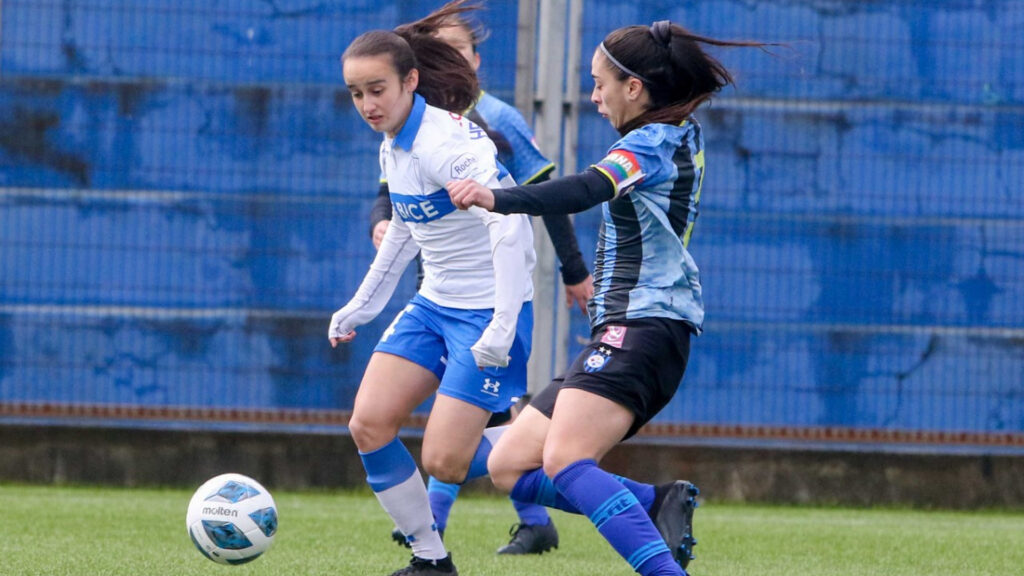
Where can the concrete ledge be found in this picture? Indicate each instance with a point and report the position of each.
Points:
(132, 457)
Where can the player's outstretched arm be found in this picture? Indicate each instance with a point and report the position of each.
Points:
(566, 195)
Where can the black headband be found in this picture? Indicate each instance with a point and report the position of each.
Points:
(662, 31)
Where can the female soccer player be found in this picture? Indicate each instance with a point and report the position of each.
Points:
(466, 333)
(535, 533)
(647, 82)
(517, 151)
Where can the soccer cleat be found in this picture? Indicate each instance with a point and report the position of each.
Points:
(531, 539)
(423, 567)
(399, 538)
(674, 519)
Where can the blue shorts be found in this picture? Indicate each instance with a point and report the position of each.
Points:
(439, 338)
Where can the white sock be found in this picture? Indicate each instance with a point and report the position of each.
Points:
(409, 507)
(492, 434)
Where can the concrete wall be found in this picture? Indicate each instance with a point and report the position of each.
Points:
(131, 457)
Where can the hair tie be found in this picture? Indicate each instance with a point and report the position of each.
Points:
(662, 31)
(620, 65)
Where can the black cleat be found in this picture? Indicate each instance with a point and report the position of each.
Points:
(674, 518)
(399, 538)
(531, 539)
(423, 567)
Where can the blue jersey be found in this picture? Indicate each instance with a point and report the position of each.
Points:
(643, 268)
(526, 163)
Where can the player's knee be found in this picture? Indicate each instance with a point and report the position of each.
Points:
(502, 474)
(370, 434)
(446, 467)
(557, 460)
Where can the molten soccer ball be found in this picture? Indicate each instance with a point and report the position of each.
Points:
(232, 519)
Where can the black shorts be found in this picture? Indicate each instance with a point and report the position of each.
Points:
(500, 418)
(637, 364)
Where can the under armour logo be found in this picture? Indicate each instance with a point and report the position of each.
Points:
(490, 387)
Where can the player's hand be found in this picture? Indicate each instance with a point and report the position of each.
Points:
(580, 294)
(487, 356)
(491, 350)
(340, 331)
(469, 192)
(343, 339)
(378, 233)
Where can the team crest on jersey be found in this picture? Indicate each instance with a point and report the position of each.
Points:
(597, 360)
(614, 336)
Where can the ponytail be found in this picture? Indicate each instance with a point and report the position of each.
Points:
(670, 61)
(447, 80)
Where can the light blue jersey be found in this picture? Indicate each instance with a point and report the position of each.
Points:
(643, 268)
(525, 163)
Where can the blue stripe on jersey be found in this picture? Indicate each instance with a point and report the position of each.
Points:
(606, 242)
(629, 256)
(419, 209)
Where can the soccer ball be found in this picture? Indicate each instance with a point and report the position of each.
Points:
(232, 519)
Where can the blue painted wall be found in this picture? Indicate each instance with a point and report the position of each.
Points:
(862, 217)
(184, 189)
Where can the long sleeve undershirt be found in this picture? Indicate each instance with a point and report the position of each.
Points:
(567, 195)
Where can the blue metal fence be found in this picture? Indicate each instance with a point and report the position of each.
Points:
(184, 190)
(861, 222)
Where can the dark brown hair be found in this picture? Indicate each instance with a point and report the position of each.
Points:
(671, 62)
(446, 79)
(476, 30)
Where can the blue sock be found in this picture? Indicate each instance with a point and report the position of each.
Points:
(536, 487)
(478, 466)
(531, 514)
(644, 492)
(442, 495)
(388, 466)
(618, 516)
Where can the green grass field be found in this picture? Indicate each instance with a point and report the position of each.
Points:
(48, 531)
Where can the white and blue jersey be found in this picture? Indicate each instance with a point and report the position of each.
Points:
(433, 147)
(526, 163)
(643, 268)
(467, 281)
